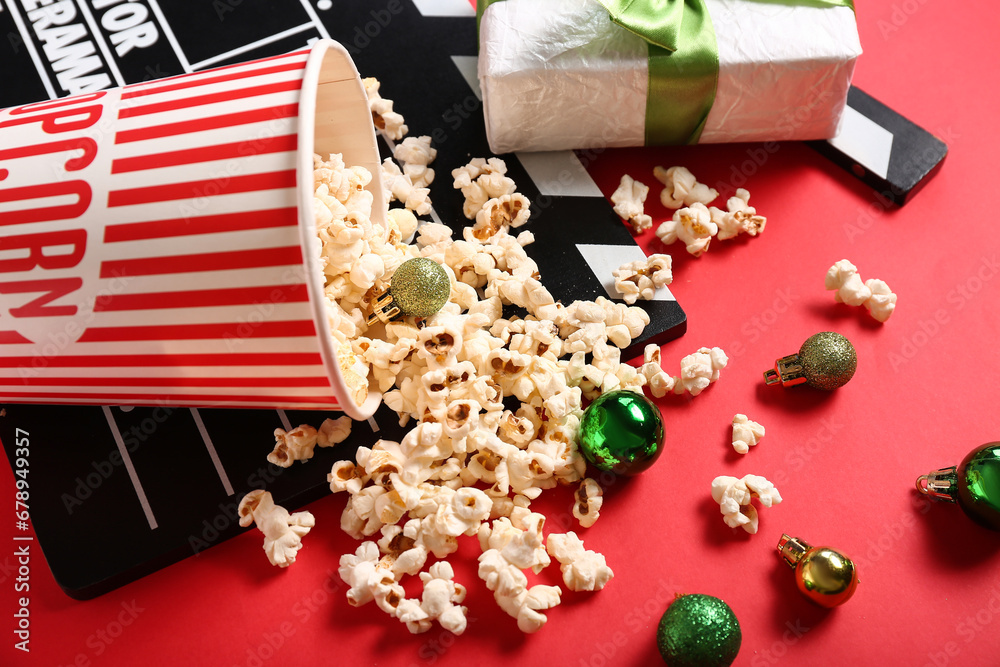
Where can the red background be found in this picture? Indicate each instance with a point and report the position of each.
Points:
(924, 395)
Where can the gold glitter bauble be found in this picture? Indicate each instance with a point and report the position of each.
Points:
(420, 287)
(828, 360)
(825, 361)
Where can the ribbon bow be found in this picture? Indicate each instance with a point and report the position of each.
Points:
(656, 21)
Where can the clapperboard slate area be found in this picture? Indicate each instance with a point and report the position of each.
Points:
(117, 491)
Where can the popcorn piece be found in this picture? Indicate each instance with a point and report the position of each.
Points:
(628, 200)
(404, 220)
(383, 116)
(882, 302)
(480, 181)
(734, 497)
(587, 506)
(441, 597)
(746, 433)
(660, 383)
(582, 570)
(510, 590)
(346, 476)
(294, 445)
(399, 187)
(415, 153)
(283, 532)
(692, 225)
(682, 189)
(360, 571)
(520, 543)
(699, 370)
(500, 214)
(843, 277)
(401, 551)
(641, 279)
(333, 431)
(740, 217)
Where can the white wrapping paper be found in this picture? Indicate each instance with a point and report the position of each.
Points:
(558, 74)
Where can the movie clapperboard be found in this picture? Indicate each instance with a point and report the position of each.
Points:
(118, 492)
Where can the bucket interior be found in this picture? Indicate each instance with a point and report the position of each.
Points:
(334, 117)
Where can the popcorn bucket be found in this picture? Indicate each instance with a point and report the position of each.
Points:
(157, 241)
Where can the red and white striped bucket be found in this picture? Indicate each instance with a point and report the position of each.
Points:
(157, 241)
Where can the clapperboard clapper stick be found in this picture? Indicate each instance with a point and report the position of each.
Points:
(883, 149)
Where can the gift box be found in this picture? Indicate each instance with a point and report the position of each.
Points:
(563, 74)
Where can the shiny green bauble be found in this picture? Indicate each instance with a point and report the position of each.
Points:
(621, 432)
(698, 631)
(979, 485)
(420, 287)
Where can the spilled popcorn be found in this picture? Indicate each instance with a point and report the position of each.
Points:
(738, 218)
(474, 461)
(299, 443)
(640, 279)
(283, 532)
(735, 495)
(383, 117)
(628, 200)
(415, 154)
(746, 433)
(700, 369)
(694, 222)
(873, 294)
(681, 188)
(692, 225)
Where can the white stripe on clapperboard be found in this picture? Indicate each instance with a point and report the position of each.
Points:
(143, 500)
(208, 62)
(445, 7)
(168, 33)
(207, 439)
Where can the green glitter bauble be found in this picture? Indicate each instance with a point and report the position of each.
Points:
(420, 287)
(979, 485)
(828, 360)
(698, 631)
(621, 432)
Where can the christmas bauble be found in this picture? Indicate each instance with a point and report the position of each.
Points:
(974, 484)
(698, 631)
(826, 360)
(420, 287)
(622, 432)
(823, 574)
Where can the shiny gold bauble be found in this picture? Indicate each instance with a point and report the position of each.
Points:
(823, 574)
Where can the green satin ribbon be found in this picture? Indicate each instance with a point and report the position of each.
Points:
(683, 60)
(683, 65)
